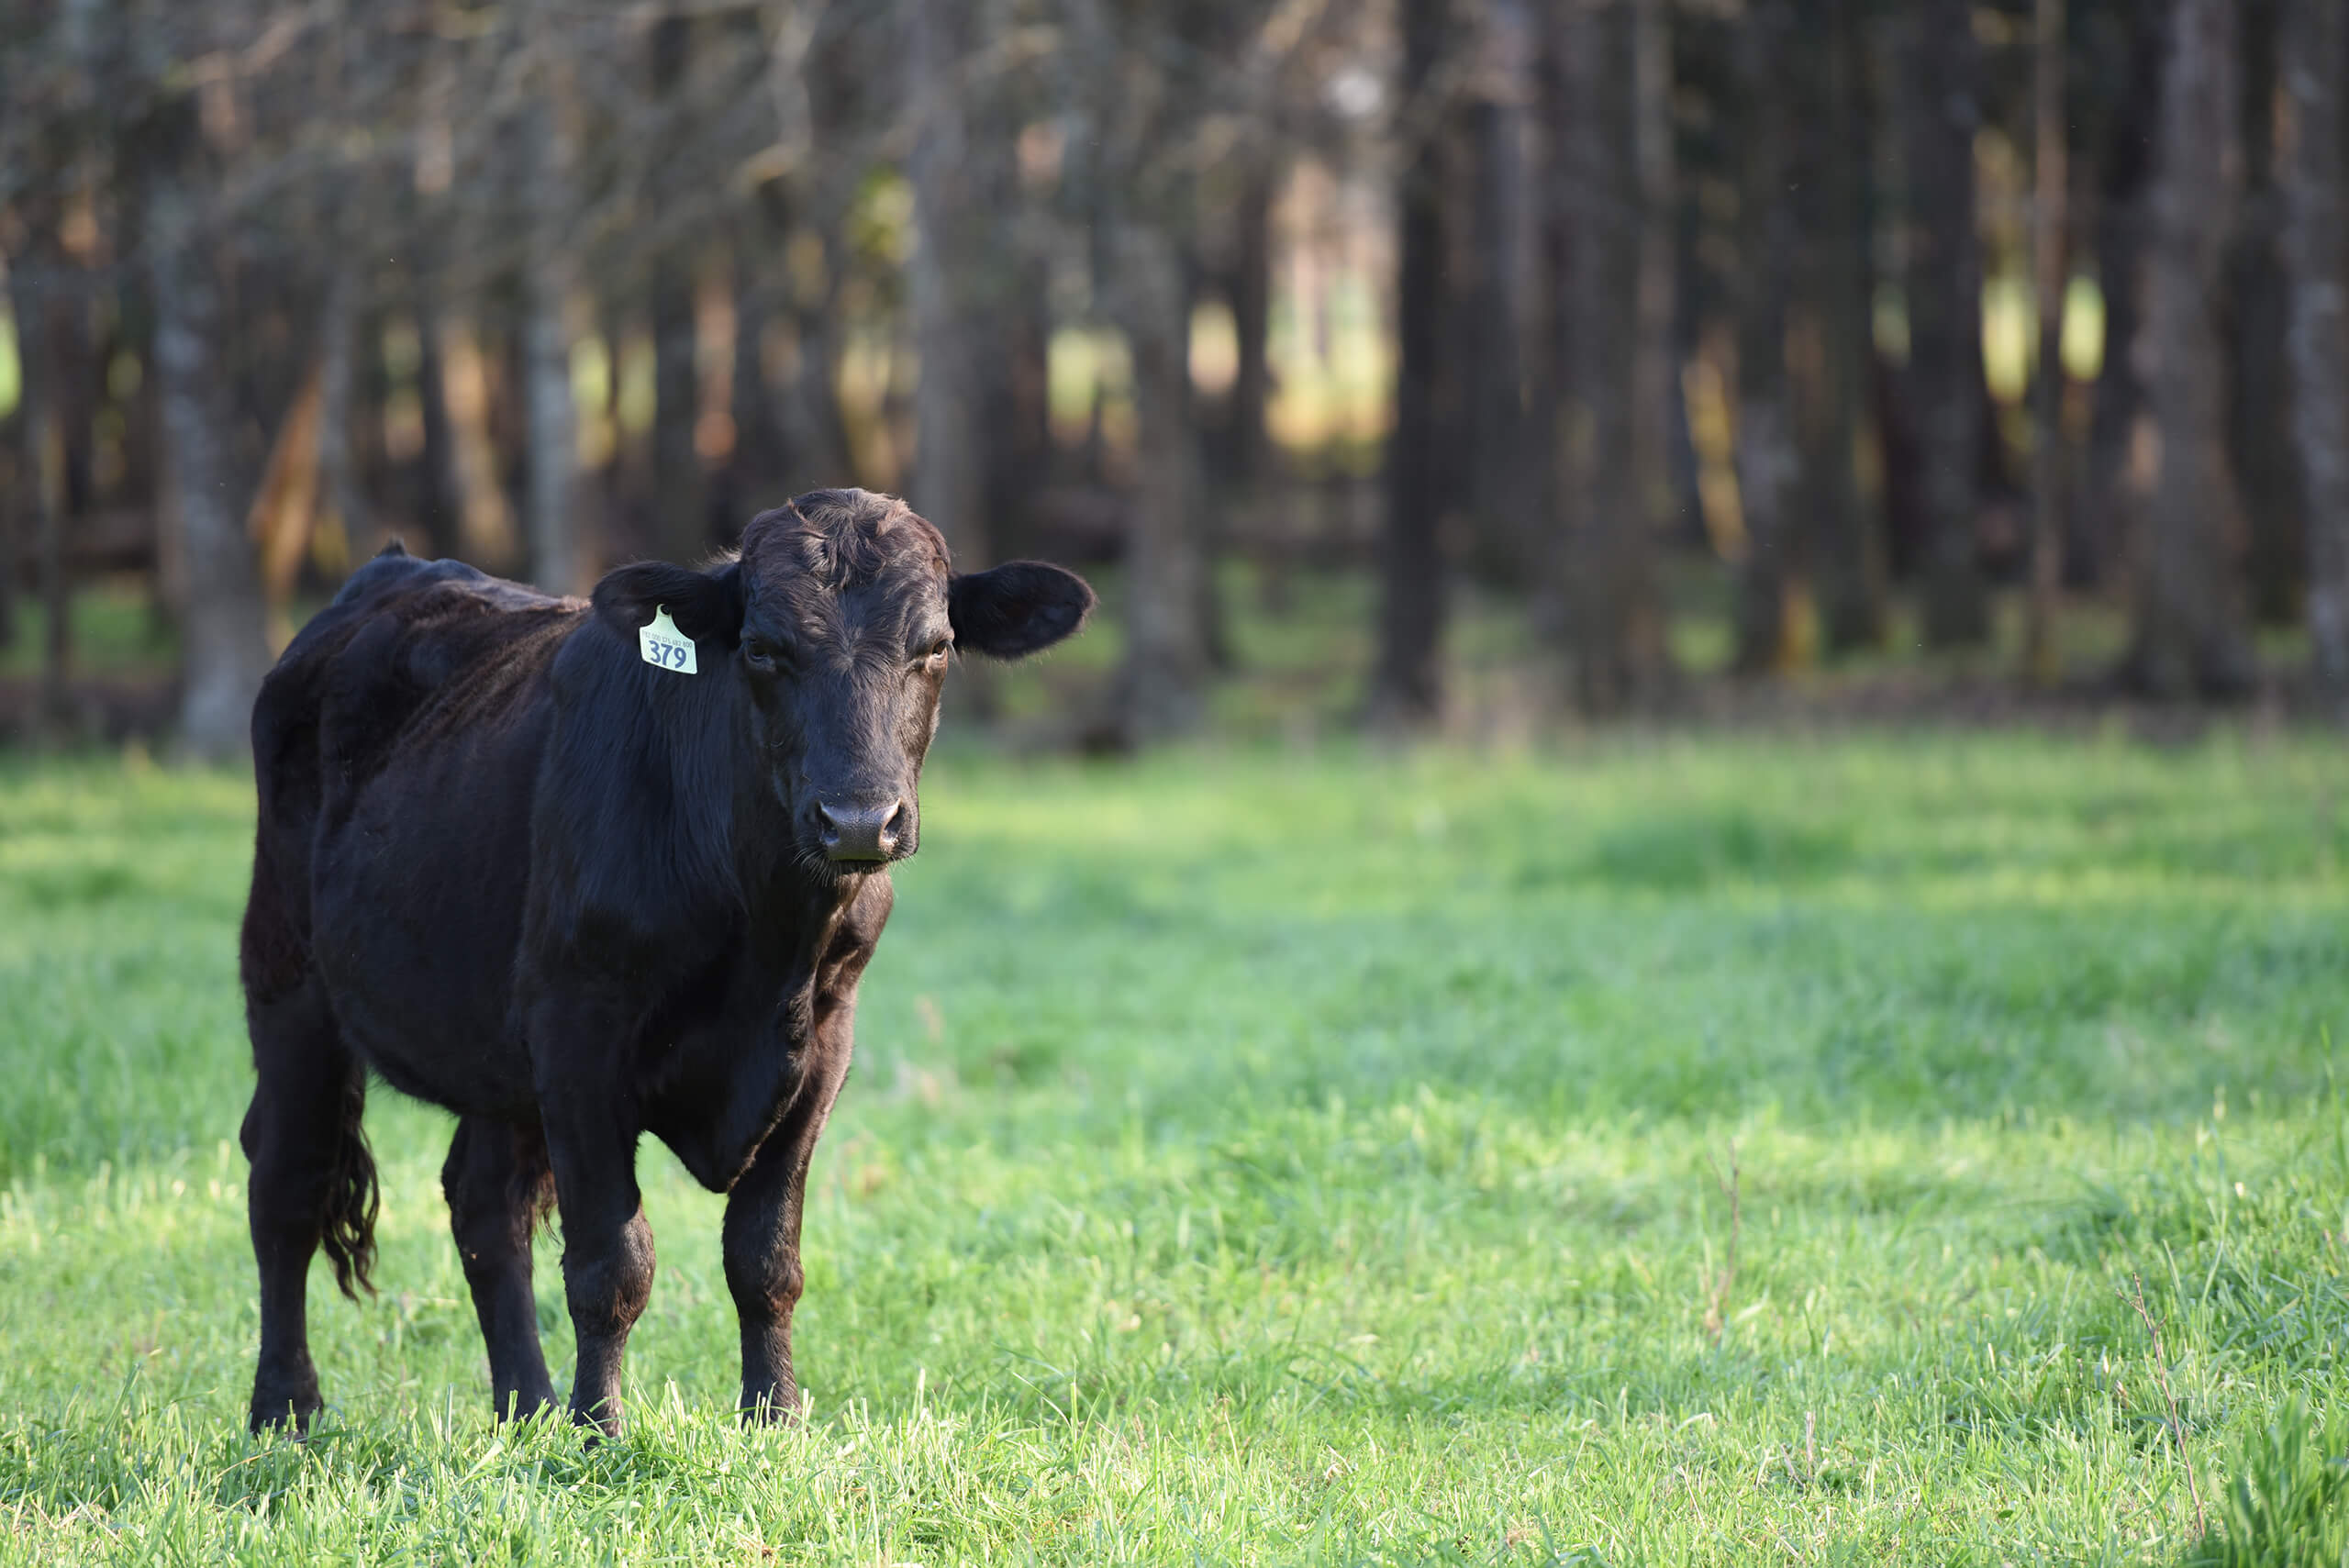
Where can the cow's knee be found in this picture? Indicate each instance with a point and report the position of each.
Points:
(608, 1285)
(766, 1283)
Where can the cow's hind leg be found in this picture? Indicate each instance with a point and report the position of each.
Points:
(312, 1182)
(497, 1186)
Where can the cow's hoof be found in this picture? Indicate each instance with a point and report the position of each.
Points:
(771, 1406)
(287, 1414)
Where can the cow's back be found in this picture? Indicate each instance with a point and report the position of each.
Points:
(395, 745)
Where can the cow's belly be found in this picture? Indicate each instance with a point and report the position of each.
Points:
(416, 909)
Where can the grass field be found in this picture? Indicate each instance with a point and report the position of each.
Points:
(1316, 1155)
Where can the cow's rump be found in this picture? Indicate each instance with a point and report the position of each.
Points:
(396, 743)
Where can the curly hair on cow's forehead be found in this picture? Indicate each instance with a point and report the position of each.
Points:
(840, 537)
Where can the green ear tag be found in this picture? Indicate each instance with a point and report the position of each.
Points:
(663, 645)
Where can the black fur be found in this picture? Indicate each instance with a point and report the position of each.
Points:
(512, 868)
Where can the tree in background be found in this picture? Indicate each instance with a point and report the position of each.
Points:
(2314, 69)
(1406, 688)
(2189, 636)
(221, 617)
(559, 286)
(1942, 111)
(1606, 577)
(1765, 453)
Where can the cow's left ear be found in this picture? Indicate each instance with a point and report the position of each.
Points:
(1016, 608)
(705, 605)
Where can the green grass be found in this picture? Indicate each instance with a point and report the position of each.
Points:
(1316, 1155)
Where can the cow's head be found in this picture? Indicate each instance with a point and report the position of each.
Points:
(836, 624)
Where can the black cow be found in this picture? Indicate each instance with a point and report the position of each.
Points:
(516, 861)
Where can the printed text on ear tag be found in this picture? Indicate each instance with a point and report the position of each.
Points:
(663, 646)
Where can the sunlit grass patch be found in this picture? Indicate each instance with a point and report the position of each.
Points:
(1658, 1150)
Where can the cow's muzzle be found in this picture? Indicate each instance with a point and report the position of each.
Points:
(864, 832)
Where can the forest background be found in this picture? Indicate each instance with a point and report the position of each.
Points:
(1492, 361)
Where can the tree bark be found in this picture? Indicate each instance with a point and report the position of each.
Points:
(2189, 636)
(1164, 679)
(680, 519)
(1654, 384)
(1605, 575)
(344, 498)
(2042, 664)
(1406, 686)
(1945, 314)
(1842, 554)
(680, 498)
(2114, 494)
(1251, 296)
(1502, 479)
(1764, 439)
(2259, 444)
(551, 522)
(43, 356)
(51, 411)
(947, 279)
(225, 647)
(440, 493)
(2314, 175)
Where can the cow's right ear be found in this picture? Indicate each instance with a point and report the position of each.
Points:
(705, 605)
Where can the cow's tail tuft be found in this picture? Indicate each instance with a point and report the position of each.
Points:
(352, 1197)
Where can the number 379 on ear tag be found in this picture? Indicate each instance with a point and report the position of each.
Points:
(663, 645)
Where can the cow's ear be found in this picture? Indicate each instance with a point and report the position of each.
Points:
(1016, 608)
(705, 605)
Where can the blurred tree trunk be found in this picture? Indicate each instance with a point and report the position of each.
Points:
(2259, 444)
(2315, 182)
(1165, 680)
(224, 650)
(344, 500)
(797, 222)
(62, 357)
(751, 480)
(2119, 428)
(1764, 442)
(1251, 298)
(2041, 659)
(1502, 474)
(818, 454)
(1943, 112)
(11, 528)
(1655, 386)
(2190, 637)
(680, 498)
(1406, 686)
(550, 414)
(1016, 449)
(46, 356)
(439, 494)
(1843, 556)
(680, 519)
(947, 277)
(1606, 573)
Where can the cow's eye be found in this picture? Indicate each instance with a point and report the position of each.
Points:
(758, 654)
(935, 657)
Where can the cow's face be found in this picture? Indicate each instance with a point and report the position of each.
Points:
(837, 627)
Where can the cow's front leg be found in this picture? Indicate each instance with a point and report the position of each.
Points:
(607, 1245)
(762, 1213)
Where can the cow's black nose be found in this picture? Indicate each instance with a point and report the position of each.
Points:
(862, 832)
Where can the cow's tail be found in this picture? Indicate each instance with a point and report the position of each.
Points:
(352, 1198)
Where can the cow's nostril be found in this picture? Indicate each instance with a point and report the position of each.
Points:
(861, 832)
